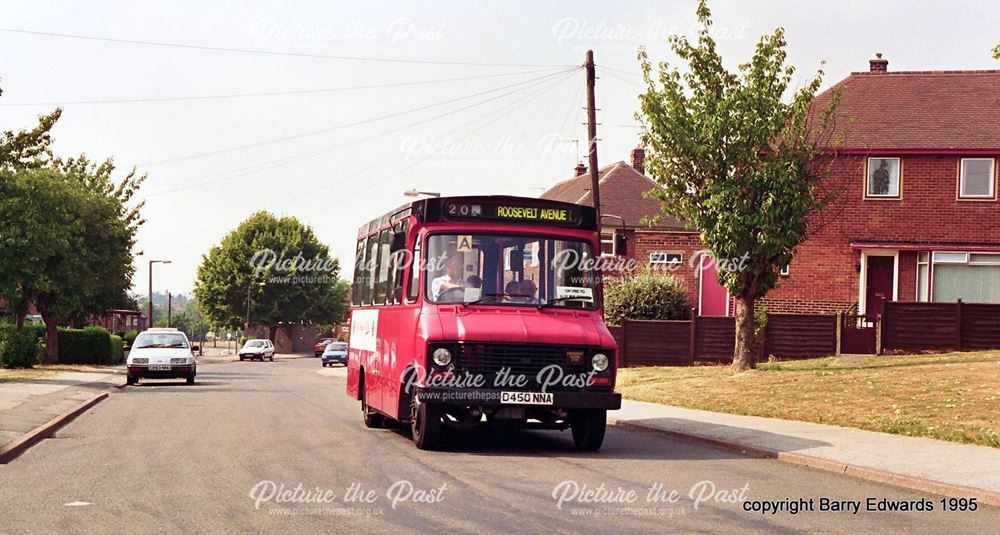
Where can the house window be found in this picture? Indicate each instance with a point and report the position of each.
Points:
(971, 277)
(977, 178)
(883, 177)
(923, 276)
(660, 258)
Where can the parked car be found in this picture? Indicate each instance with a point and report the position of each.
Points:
(257, 349)
(161, 354)
(335, 352)
(321, 345)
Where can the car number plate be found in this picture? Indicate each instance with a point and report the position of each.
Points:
(526, 398)
(159, 367)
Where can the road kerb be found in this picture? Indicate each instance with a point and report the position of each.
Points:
(14, 449)
(826, 465)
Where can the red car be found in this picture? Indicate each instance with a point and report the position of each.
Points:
(321, 345)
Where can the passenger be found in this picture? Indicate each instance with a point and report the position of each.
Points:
(474, 281)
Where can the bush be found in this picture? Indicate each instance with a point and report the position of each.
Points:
(91, 345)
(18, 349)
(645, 297)
(117, 350)
(129, 337)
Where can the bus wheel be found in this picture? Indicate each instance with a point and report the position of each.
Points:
(373, 420)
(425, 424)
(588, 428)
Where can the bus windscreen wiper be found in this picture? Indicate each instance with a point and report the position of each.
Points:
(560, 299)
(483, 298)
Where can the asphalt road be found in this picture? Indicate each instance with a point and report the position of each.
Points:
(166, 457)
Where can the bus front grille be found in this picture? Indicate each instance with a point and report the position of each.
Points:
(519, 359)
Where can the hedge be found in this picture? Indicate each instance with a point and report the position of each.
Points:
(19, 349)
(91, 345)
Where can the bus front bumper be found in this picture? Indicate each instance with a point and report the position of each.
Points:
(574, 399)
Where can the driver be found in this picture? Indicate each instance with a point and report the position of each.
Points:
(451, 279)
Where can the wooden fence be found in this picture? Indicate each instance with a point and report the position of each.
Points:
(907, 327)
(940, 326)
(682, 342)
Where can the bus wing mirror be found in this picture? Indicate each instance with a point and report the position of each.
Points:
(398, 242)
(620, 245)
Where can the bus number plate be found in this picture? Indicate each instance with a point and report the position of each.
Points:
(526, 398)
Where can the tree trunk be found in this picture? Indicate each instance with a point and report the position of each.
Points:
(744, 355)
(51, 339)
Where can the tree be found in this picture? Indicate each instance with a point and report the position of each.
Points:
(648, 296)
(736, 161)
(277, 264)
(67, 239)
(996, 51)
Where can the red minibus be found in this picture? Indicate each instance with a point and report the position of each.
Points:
(486, 310)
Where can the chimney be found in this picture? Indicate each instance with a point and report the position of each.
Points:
(638, 160)
(580, 169)
(878, 64)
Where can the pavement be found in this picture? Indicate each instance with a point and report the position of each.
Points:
(917, 463)
(26, 405)
(279, 447)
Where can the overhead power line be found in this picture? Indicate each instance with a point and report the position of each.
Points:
(189, 183)
(355, 123)
(271, 93)
(270, 52)
(499, 113)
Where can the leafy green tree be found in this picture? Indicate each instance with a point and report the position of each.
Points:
(736, 160)
(647, 296)
(257, 262)
(996, 51)
(28, 148)
(66, 243)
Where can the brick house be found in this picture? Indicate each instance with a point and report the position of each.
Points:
(916, 216)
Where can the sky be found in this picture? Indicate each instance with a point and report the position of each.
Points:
(493, 109)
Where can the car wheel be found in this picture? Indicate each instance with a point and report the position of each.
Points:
(190, 379)
(130, 379)
(241, 358)
(425, 424)
(272, 357)
(588, 428)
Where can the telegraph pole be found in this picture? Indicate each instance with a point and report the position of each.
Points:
(595, 188)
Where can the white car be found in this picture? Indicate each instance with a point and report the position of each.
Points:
(257, 349)
(161, 354)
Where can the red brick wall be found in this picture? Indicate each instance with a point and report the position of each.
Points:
(643, 242)
(823, 274)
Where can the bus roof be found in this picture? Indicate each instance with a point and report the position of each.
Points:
(490, 209)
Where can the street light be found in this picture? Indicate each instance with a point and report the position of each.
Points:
(249, 287)
(151, 262)
(415, 193)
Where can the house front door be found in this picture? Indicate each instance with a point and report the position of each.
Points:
(879, 283)
(713, 296)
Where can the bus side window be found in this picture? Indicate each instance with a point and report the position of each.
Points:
(383, 281)
(399, 263)
(371, 264)
(413, 278)
(359, 262)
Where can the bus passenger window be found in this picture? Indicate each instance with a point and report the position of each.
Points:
(414, 274)
(371, 264)
(382, 281)
(359, 262)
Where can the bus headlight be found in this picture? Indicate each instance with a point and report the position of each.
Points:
(442, 357)
(599, 362)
